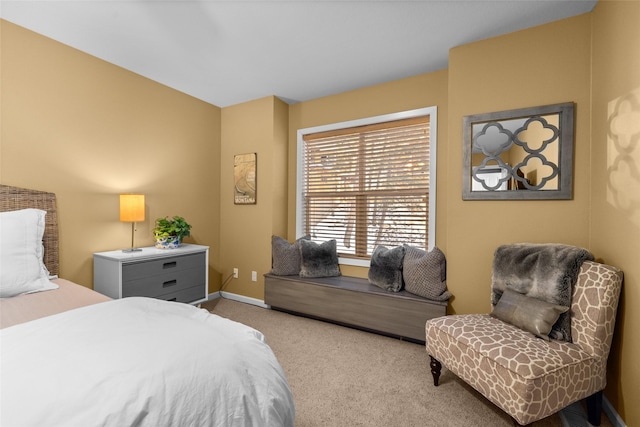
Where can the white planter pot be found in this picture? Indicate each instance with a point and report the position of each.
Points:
(170, 242)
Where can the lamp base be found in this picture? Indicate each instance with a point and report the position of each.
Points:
(133, 231)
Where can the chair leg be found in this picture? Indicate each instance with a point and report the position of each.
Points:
(436, 368)
(594, 408)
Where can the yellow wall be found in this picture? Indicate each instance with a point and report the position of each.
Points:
(615, 152)
(98, 130)
(89, 130)
(543, 65)
(260, 127)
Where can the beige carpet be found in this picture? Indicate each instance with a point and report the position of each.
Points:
(345, 377)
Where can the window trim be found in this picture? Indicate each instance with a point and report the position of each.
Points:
(432, 112)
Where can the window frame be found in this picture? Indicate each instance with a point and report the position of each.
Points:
(432, 112)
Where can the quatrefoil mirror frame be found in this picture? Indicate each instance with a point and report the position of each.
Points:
(522, 154)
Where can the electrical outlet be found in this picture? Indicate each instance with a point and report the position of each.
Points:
(235, 273)
(254, 276)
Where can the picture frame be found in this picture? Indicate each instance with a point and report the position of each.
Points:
(245, 179)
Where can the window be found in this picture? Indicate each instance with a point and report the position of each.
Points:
(369, 182)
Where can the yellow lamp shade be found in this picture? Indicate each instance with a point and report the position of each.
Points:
(131, 207)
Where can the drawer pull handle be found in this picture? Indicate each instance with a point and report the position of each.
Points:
(169, 264)
(169, 283)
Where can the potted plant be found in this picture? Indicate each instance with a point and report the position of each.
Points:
(169, 232)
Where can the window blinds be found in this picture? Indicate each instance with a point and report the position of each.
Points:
(368, 186)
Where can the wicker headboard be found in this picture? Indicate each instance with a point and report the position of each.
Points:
(14, 198)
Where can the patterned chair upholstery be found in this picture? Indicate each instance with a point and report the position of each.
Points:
(527, 377)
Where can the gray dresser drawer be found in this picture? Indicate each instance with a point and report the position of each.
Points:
(179, 274)
(141, 269)
(171, 282)
(186, 295)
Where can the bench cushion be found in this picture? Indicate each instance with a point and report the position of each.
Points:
(518, 372)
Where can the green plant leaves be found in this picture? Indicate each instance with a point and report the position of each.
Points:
(176, 226)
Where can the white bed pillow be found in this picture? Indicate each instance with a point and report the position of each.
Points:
(22, 269)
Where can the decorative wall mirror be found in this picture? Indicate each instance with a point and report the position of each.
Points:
(519, 154)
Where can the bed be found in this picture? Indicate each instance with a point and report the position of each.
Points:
(73, 357)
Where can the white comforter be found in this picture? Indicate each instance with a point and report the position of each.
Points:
(140, 362)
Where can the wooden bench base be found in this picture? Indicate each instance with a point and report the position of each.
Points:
(353, 301)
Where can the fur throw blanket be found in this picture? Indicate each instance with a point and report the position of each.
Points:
(543, 271)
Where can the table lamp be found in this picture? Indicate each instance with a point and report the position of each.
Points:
(132, 210)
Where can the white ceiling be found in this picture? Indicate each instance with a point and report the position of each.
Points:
(228, 52)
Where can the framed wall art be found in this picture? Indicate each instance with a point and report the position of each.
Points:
(244, 179)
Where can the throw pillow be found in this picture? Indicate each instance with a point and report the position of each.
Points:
(546, 271)
(425, 273)
(386, 268)
(21, 253)
(531, 314)
(285, 256)
(319, 260)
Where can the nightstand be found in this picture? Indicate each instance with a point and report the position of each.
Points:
(170, 274)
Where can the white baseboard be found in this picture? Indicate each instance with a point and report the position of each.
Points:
(240, 298)
(574, 415)
(611, 413)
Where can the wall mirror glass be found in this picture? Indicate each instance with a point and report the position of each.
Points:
(519, 154)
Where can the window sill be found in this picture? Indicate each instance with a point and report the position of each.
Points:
(355, 262)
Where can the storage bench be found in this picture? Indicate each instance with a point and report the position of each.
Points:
(353, 301)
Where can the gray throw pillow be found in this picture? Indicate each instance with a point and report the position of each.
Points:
(285, 256)
(386, 268)
(546, 271)
(531, 314)
(425, 273)
(318, 260)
